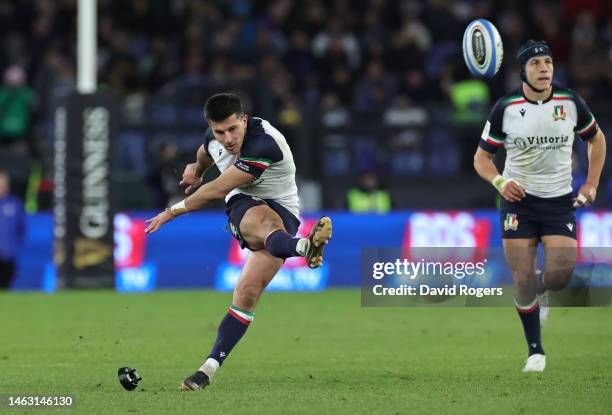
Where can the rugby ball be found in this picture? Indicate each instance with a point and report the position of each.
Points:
(483, 50)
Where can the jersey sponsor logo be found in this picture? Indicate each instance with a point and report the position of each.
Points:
(541, 142)
(522, 111)
(570, 226)
(559, 113)
(520, 143)
(511, 222)
(538, 140)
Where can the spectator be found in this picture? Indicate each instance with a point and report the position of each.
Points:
(375, 91)
(470, 97)
(299, 59)
(369, 196)
(333, 114)
(336, 45)
(16, 110)
(12, 231)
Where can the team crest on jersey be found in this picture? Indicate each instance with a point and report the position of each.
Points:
(511, 222)
(559, 113)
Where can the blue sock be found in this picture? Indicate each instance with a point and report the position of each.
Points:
(281, 245)
(530, 317)
(232, 328)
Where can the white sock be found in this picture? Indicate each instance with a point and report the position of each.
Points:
(209, 367)
(302, 246)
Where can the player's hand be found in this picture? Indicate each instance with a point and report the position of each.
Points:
(155, 223)
(191, 179)
(586, 195)
(512, 191)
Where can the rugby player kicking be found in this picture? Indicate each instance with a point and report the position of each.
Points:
(258, 183)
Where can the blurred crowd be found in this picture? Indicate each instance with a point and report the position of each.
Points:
(362, 54)
(339, 56)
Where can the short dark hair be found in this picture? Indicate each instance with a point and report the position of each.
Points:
(221, 106)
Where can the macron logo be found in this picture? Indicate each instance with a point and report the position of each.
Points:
(222, 354)
(570, 226)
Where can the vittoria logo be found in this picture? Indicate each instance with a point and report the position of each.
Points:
(511, 222)
(559, 113)
(524, 142)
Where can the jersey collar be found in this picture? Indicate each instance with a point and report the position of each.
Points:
(552, 93)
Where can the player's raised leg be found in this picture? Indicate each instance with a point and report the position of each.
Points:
(262, 228)
(257, 273)
(521, 255)
(561, 252)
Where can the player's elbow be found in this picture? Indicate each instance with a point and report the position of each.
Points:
(481, 160)
(477, 162)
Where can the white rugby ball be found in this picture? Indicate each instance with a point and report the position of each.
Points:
(483, 50)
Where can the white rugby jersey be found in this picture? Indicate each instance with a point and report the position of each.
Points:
(538, 138)
(266, 155)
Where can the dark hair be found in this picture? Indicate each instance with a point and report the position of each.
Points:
(221, 106)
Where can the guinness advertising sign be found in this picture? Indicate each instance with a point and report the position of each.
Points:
(83, 204)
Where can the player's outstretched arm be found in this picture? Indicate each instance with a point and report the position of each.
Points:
(510, 189)
(216, 189)
(597, 156)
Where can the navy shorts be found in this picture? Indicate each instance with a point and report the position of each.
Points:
(237, 206)
(534, 217)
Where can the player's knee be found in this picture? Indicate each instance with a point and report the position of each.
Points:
(257, 226)
(271, 223)
(557, 279)
(255, 242)
(524, 284)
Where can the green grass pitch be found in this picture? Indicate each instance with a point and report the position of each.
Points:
(305, 353)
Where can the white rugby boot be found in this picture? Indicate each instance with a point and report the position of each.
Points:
(542, 298)
(535, 363)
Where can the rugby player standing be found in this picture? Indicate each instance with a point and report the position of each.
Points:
(536, 124)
